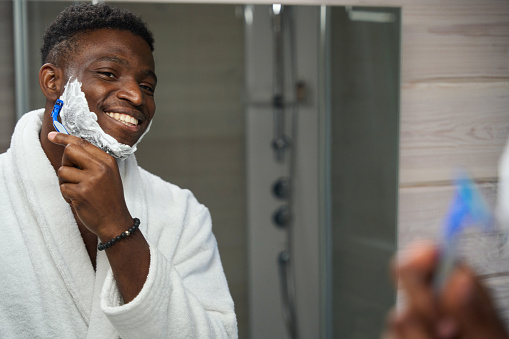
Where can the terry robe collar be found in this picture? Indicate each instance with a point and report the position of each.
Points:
(47, 219)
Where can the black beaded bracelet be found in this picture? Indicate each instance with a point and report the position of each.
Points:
(123, 235)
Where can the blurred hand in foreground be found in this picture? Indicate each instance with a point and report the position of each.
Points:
(463, 309)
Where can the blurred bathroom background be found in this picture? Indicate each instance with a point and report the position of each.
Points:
(284, 122)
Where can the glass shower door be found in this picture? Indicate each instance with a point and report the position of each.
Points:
(362, 161)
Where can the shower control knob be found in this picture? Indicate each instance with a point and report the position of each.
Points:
(283, 257)
(278, 101)
(282, 217)
(281, 188)
(280, 143)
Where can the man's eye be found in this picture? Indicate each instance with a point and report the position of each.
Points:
(108, 74)
(148, 88)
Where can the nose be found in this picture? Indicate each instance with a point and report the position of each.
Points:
(131, 91)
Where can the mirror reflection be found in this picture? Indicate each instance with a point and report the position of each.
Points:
(284, 123)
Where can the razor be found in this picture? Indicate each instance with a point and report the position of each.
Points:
(55, 113)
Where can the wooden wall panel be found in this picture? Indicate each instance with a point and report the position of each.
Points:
(454, 112)
(455, 42)
(446, 125)
(455, 89)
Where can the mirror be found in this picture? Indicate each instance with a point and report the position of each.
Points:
(213, 131)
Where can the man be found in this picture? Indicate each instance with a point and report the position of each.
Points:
(63, 198)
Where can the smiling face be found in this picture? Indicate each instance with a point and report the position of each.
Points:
(116, 69)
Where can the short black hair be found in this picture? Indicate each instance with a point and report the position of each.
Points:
(61, 36)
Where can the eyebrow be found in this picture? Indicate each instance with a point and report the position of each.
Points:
(115, 59)
(123, 61)
(151, 74)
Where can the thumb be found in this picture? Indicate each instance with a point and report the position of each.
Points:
(468, 302)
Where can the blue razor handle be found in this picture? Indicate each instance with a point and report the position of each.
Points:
(54, 114)
(468, 209)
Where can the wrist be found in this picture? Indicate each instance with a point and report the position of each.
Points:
(111, 230)
(103, 245)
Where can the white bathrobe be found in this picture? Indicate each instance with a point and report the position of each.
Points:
(48, 287)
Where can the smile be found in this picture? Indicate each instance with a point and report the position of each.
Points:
(123, 118)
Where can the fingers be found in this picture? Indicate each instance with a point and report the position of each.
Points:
(406, 325)
(77, 156)
(67, 140)
(415, 271)
(466, 300)
(420, 258)
(463, 309)
(83, 167)
(79, 152)
(90, 182)
(461, 290)
(68, 174)
(69, 193)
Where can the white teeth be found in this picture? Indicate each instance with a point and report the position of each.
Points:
(123, 118)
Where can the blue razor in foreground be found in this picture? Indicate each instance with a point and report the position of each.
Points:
(468, 209)
(54, 114)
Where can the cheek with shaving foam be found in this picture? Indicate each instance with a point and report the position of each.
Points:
(81, 122)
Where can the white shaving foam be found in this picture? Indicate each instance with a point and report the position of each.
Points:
(79, 121)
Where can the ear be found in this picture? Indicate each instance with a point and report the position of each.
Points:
(51, 80)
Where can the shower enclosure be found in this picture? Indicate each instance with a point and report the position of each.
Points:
(283, 120)
(340, 70)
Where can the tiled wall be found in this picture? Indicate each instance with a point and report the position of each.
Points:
(454, 112)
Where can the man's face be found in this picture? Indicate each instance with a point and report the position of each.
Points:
(116, 69)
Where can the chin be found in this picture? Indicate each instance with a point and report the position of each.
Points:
(126, 142)
(122, 136)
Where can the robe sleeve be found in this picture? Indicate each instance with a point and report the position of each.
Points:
(185, 297)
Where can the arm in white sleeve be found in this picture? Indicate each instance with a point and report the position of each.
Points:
(183, 297)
